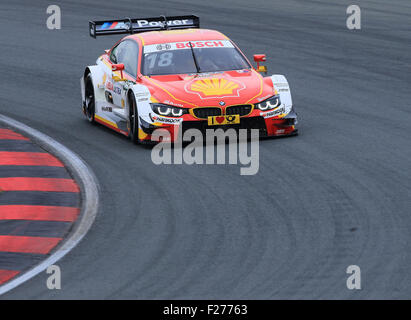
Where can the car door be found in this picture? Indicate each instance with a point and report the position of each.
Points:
(126, 52)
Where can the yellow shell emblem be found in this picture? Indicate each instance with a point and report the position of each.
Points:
(214, 87)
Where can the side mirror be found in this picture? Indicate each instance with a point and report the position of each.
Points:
(118, 67)
(260, 58)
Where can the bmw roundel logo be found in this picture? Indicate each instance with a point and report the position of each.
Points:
(222, 103)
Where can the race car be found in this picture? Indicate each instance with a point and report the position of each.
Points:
(168, 73)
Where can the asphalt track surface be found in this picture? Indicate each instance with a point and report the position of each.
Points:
(336, 195)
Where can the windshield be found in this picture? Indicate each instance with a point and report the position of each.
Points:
(178, 58)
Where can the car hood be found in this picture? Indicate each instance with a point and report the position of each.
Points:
(210, 89)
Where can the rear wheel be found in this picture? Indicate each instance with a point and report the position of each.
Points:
(134, 127)
(90, 103)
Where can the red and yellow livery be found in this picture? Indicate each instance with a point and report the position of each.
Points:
(171, 74)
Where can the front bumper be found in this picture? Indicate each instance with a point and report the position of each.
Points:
(267, 126)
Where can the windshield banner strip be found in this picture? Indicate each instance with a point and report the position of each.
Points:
(186, 45)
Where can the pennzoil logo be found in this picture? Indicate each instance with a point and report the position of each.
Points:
(215, 87)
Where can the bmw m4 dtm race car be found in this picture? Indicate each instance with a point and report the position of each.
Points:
(168, 73)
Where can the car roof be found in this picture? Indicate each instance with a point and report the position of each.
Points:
(167, 36)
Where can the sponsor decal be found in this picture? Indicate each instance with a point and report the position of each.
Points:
(274, 112)
(109, 85)
(156, 118)
(114, 25)
(145, 23)
(220, 120)
(173, 103)
(199, 44)
(165, 46)
(214, 87)
(186, 45)
(117, 90)
(107, 109)
(140, 94)
(142, 99)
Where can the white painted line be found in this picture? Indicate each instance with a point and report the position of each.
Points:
(89, 194)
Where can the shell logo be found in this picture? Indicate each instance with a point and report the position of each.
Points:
(214, 87)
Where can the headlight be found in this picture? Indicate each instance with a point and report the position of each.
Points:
(269, 104)
(168, 111)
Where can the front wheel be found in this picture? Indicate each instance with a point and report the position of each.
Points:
(133, 120)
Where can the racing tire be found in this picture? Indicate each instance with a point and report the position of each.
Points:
(133, 120)
(90, 100)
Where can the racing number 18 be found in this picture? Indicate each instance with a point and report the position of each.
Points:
(164, 60)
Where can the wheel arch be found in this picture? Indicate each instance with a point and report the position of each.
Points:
(98, 79)
(142, 97)
(280, 83)
(129, 95)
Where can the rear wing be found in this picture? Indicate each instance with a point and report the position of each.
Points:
(127, 25)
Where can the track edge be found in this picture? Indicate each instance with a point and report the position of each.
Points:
(89, 188)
